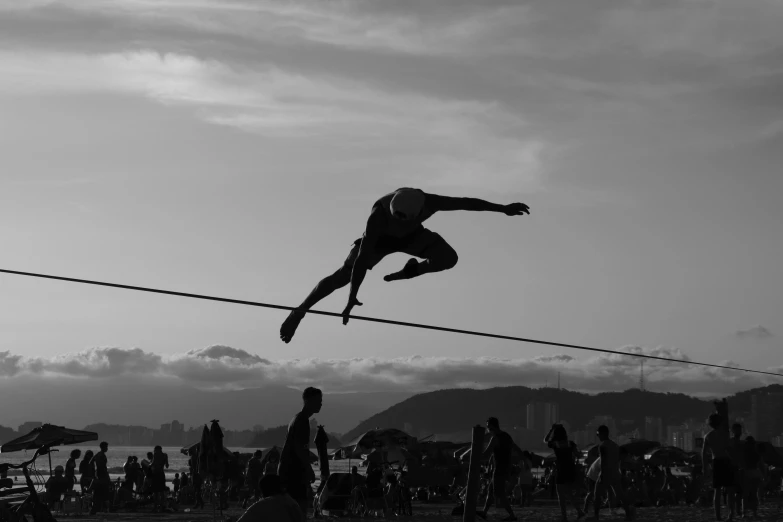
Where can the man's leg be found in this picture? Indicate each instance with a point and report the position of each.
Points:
(438, 255)
(488, 501)
(325, 287)
(499, 487)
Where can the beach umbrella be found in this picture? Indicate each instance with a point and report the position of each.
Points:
(640, 447)
(668, 455)
(537, 460)
(772, 455)
(48, 435)
(382, 439)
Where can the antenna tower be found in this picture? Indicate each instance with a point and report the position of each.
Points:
(558, 381)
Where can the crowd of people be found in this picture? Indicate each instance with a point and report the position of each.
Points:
(147, 477)
(732, 473)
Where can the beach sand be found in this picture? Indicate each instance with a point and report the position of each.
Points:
(770, 511)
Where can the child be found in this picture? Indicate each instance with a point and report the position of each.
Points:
(176, 483)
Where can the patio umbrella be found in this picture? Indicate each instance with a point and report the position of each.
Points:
(641, 447)
(383, 439)
(668, 455)
(48, 435)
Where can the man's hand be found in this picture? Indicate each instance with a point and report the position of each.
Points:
(516, 209)
(352, 301)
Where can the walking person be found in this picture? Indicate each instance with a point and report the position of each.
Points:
(610, 477)
(70, 468)
(500, 446)
(295, 470)
(565, 471)
(102, 482)
(86, 472)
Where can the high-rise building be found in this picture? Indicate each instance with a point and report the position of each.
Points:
(541, 415)
(766, 411)
(653, 428)
(177, 427)
(602, 420)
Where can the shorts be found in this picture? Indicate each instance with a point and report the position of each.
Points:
(158, 482)
(722, 474)
(420, 243)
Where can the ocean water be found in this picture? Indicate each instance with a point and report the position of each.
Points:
(118, 455)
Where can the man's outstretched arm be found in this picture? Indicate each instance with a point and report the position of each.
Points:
(373, 231)
(446, 203)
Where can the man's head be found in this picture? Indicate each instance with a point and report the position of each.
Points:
(258, 453)
(104, 446)
(493, 425)
(714, 421)
(270, 485)
(157, 449)
(407, 204)
(602, 432)
(736, 430)
(150, 455)
(354, 470)
(58, 471)
(313, 399)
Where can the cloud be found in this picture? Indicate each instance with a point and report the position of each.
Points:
(754, 332)
(448, 142)
(224, 367)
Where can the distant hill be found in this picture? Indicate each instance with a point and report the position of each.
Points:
(456, 410)
(121, 400)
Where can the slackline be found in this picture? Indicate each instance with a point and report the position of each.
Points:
(383, 321)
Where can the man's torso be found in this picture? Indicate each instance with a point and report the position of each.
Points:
(718, 441)
(298, 436)
(398, 228)
(502, 453)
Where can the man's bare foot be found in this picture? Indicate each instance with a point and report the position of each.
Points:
(288, 329)
(407, 272)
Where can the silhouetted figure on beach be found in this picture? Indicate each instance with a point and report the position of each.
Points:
(565, 476)
(395, 225)
(295, 470)
(716, 455)
(610, 476)
(500, 446)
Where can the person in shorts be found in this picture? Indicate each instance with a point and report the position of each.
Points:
(295, 469)
(500, 446)
(395, 225)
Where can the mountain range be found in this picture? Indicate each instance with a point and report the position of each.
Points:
(77, 403)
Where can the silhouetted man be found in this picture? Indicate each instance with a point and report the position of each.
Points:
(395, 225)
(716, 455)
(295, 469)
(500, 446)
(610, 477)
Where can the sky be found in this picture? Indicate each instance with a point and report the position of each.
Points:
(235, 147)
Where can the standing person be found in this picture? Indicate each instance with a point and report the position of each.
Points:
(175, 485)
(565, 480)
(102, 484)
(87, 472)
(254, 473)
(526, 479)
(295, 469)
(395, 225)
(70, 468)
(737, 452)
(500, 446)
(716, 455)
(160, 461)
(610, 477)
(751, 477)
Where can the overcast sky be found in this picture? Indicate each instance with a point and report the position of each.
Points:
(235, 147)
